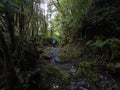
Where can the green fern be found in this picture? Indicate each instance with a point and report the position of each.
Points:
(100, 43)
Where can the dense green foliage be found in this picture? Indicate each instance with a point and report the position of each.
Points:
(87, 19)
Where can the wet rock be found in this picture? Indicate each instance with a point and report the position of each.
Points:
(66, 66)
(72, 71)
(72, 87)
(55, 59)
(45, 56)
(81, 82)
(51, 55)
(53, 52)
(100, 76)
(82, 88)
(55, 86)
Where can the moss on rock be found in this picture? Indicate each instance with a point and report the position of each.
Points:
(56, 76)
(86, 71)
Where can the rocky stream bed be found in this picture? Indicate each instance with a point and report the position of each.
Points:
(105, 82)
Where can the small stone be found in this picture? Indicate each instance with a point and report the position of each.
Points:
(82, 88)
(81, 83)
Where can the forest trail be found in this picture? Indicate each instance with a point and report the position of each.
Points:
(106, 83)
(55, 60)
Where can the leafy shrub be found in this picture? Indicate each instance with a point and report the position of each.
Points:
(110, 48)
(99, 43)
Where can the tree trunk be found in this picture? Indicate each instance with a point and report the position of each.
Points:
(9, 70)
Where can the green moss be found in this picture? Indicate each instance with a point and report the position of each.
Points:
(47, 49)
(76, 55)
(57, 76)
(87, 65)
(69, 52)
(86, 70)
(117, 65)
(112, 66)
